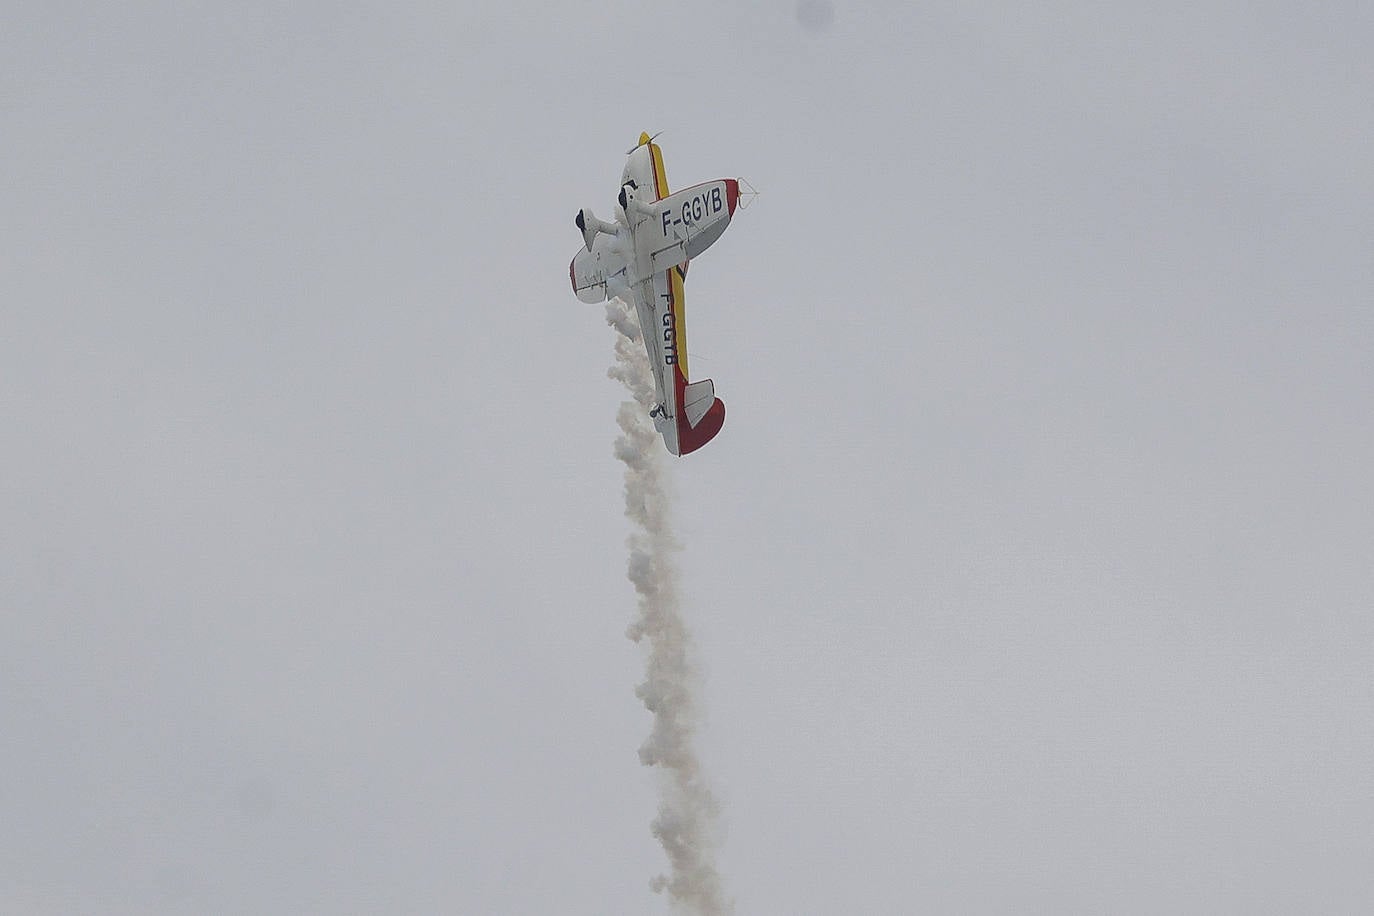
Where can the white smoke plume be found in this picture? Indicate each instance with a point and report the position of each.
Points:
(686, 820)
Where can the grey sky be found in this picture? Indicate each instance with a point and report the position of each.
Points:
(1031, 572)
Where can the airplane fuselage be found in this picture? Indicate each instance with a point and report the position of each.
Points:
(642, 257)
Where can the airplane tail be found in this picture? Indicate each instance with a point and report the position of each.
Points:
(700, 416)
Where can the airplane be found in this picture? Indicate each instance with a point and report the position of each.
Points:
(642, 257)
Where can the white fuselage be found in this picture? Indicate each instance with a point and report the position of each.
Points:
(653, 304)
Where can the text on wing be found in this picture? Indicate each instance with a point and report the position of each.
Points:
(694, 209)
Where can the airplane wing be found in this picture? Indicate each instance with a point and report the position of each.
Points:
(683, 225)
(590, 270)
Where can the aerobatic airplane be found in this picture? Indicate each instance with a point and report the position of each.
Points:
(642, 257)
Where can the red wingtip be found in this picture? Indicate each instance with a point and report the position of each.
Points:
(731, 194)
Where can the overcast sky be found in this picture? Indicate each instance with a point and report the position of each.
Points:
(1032, 571)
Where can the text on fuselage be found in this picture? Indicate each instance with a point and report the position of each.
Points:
(669, 331)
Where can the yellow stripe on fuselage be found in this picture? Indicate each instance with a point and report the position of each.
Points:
(679, 319)
(679, 300)
(660, 177)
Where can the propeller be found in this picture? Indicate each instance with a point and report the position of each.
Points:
(643, 140)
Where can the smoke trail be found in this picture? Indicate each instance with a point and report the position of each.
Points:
(687, 811)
